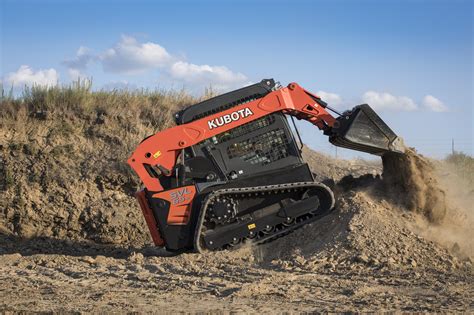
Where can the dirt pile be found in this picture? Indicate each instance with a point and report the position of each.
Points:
(364, 232)
(52, 188)
(410, 216)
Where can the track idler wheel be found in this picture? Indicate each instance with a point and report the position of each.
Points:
(325, 197)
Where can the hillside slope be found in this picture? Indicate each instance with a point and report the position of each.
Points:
(64, 152)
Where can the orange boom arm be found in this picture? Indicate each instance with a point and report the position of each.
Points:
(162, 149)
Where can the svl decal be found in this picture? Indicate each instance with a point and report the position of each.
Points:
(179, 196)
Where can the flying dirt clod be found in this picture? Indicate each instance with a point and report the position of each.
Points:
(231, 171)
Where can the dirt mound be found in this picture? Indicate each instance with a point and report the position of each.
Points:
(411, 179)
(364, 232)
(436, 196)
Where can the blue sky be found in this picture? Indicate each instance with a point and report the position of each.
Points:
(411, 60)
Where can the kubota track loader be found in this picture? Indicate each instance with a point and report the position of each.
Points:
(231, 170)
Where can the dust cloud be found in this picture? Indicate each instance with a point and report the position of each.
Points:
(435, 190)
(456, 231)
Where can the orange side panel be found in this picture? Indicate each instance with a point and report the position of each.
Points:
(150, 219)
(181, 201)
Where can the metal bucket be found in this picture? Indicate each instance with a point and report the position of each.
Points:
(363, 130)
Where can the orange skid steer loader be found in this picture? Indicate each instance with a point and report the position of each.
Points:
(231, 170)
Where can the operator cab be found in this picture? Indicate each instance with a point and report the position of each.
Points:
(261, 146)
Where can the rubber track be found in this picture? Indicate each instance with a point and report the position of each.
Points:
(259, 189)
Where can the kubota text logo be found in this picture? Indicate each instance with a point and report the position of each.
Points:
(227, 119)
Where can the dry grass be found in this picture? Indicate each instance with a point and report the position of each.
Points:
(133, 114)
(147, 106)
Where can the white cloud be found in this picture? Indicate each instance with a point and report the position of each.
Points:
(219, 77)
(82, 59)
(432, 103)
(131, 57)
(79, 63)
(26, 76)
(386, 101)
(332, 99)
